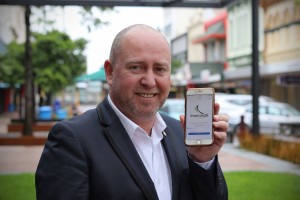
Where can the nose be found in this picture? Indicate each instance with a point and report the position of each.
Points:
(149, 79)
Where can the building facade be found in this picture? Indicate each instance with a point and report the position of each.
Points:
(281, 71)
(182, 26)
(210, 71)
(239, 46)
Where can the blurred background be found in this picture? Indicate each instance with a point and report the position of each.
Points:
(51, 69)
(62, 74)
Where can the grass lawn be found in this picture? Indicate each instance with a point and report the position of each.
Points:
(241, 186)
(262, 186)
(19, 187)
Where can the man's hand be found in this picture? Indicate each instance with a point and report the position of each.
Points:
(206, 153)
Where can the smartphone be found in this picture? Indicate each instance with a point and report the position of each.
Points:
(199, 112)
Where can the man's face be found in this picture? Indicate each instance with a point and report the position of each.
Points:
(140, 80)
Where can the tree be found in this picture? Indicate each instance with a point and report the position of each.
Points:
(12, 69)
(12, 65)
(51, 60)
(88, 17)
(29, 87)
(57, 60)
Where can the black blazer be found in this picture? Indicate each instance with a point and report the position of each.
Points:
(92, 157)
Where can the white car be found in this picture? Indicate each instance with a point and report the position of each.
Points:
(272, 115)
(234, 106)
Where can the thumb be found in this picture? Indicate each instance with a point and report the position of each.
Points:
(182, 120)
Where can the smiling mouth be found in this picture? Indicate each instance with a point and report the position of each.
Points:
(146, 95)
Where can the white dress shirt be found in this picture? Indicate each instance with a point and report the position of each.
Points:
(151, 152)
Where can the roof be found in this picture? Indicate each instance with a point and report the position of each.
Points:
(111, 3)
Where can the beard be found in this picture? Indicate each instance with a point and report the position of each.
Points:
(135, 108)
(142, 110)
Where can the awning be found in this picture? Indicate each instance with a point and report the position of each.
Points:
(96, 76)
(214, 32)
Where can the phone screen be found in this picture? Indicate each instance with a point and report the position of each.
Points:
(199, 116)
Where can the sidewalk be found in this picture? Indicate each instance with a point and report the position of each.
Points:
(233, 158)
(24, 159)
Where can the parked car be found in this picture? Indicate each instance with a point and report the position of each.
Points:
(272, 115)
(234, 106)
(173, 107)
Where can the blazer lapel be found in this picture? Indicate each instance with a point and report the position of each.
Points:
(123, 146)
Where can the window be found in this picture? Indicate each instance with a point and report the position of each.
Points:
(274, 111)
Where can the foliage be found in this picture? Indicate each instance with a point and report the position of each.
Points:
(241, 186)
(12, 65)
(39, 17)
(287, 150)
(57, 60)
(89, 19)
(176, 64)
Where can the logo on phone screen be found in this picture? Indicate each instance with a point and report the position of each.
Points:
(201, 114)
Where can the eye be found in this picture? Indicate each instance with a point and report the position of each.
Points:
(135, 67)
(161, 69)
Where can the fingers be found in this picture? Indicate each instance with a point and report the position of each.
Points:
(216, 108)
(221, 125)
(222, 117)
(219, 138)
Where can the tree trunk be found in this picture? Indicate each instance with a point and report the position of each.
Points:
(29, 94)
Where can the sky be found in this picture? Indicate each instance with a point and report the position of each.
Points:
(101, 39)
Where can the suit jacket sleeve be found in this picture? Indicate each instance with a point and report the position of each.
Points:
(62, 170)
(208, 184)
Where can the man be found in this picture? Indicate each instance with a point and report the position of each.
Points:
(124, 149)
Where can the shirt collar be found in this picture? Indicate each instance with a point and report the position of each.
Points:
(131, 127)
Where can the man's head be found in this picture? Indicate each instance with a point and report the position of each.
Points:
(138, 71)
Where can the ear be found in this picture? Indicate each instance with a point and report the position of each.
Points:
(108, 71)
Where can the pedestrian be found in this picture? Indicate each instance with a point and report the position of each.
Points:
(125, 149)
(74, 109)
